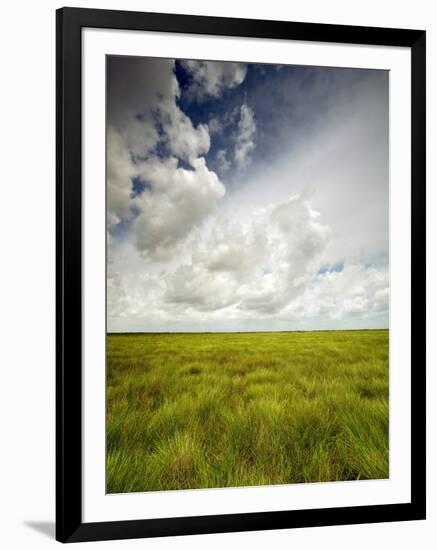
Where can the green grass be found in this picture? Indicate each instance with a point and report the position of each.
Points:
(189, 411)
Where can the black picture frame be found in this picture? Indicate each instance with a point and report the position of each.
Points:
(69, 525)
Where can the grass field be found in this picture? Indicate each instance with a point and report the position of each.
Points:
(219, 410)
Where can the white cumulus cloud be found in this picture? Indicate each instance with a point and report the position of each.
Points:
(263, 271)
(144, 119)
(257, 266)
(210, 78)
(178, 199)
(245, 142)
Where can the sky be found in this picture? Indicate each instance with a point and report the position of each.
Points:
(246, 197)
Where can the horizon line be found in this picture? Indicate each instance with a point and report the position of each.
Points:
(245, 331)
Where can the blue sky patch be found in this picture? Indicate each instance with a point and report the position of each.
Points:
(334, 268)
(139, 186)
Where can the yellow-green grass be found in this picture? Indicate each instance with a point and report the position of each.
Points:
(189, 411)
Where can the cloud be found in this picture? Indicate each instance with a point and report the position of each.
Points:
(330, 134)
(254, 267)
(381, 298)
(120, 172)
(215, 126)
(353, 293)
(211, 78)
(143, 110)
(223, 164)
(258, 265)
(136, 86)
(181, 137)
(245, 143)
(260, 272)
(148, 135)
(178, 199)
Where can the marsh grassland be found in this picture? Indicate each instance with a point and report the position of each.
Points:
(189, 411)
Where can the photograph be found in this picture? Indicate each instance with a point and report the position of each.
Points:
(247, 284)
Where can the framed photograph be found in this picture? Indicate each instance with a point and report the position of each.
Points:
(240, 274)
